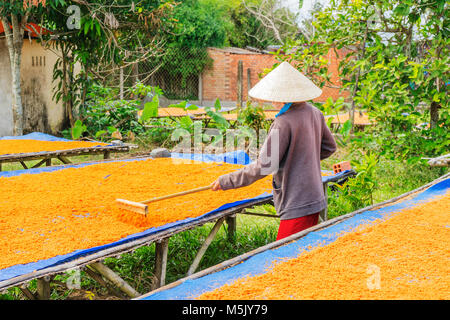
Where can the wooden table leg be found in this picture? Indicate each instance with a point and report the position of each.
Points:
(323, 215)
(205, 246)
(64, 160)
(27, 293)
(231, 222)
(115, 279)
(23, 164)
(161, 250)
(43, 288)
(40, 163)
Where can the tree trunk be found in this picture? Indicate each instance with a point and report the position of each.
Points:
(434, 114)
(66, 83)
(355, 88)
(14, 41)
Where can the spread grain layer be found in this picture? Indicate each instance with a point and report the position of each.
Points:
(55, 213)
(403, 257)
(32, 146)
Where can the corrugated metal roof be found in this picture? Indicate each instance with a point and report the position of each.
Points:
(31, 28)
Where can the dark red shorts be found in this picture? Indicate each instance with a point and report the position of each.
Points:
(291, 226)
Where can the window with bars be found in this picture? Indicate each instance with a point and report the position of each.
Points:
(38, 61)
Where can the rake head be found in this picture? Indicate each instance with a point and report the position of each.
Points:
(132, 206)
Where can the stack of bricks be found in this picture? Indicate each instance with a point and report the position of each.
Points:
(341, 167)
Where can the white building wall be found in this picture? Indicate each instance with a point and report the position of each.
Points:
(41, 113)
(6, 117)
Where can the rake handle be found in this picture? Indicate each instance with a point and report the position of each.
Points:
(176, 194)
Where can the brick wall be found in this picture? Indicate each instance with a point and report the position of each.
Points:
(256, 63)
(220, 81)
(331, 91)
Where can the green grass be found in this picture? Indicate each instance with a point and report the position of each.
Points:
(393, 178)
(137, 268)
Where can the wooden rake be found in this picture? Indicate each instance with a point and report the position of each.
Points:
(142, 208)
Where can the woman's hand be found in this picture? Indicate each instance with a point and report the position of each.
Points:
(216, 186)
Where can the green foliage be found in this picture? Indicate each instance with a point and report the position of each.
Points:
(309, 58)
(150, 109)
(22, 8)
(394, 63)
(252, 116)
(245, 29)
(158, 132)
(110, 34)
(199, 26)
(103, 115)
(137, 268)
(356, 192)
(78, 129)
(331, 107)
(214, 113)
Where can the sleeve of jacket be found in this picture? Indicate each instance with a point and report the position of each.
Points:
(328, 146)
(271, 153)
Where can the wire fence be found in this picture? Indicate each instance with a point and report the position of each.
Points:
(177, 74)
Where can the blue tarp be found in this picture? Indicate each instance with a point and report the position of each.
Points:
(259, 263)
(237, 157)
(39, 136)
(34, 136)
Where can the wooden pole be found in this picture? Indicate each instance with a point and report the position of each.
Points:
(231, 222)
(260, 214)
(27, 293)
(97, 277)
(161, 250)
(323, 215)
(136, 72)
(205, 246)
(115, 279)
(249, 81)
(43, 288)
(442, 161)
(64, 159)
(240, 84)
(200, 88)
(121, 83)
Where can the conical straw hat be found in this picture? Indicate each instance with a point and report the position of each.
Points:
(285, 84)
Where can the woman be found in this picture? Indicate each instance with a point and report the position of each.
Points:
(298, 139)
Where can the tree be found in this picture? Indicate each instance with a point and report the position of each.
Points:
(245, 29)
(109, 35)
(14, 16)
(275, 18)
(394, 63)
(200, 24)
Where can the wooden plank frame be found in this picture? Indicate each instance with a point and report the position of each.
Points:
(61, 155)
(161, 238)
(117, 251)
(276, 244)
